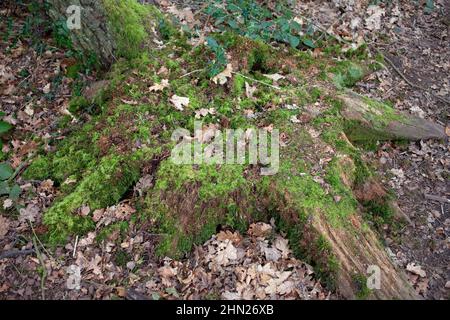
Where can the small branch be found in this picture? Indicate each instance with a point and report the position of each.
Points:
(256, 80)
(15, 253)
(436, 198)
(189, 73)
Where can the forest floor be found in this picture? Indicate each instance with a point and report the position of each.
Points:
(35, 92)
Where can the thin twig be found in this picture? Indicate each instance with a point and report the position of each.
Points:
(75, 247)
(15, 253)
(256, 80)
(436, 198)
(39, 241)
(189, 73)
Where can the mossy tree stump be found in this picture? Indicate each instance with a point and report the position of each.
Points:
(313, 197)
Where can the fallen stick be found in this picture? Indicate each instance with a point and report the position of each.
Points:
(15, 253)
(436, 198)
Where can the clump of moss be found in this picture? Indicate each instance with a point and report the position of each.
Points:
(379, 211)
(258, 59)
(360, 282)
(39, 169)
(103, 187)
(347, 74)
(130, 22)
(190, 202)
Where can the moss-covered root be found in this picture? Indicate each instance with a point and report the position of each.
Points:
(101, 188)
(356, 249)
(368, 119)
(331, 234)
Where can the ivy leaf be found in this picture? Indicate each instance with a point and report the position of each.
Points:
(14, 192)
(4, 188)
(308, 43)
(233, 24)
(294, 41)
(212, 43)
(4, 126)
(5, 171)
(429, 6)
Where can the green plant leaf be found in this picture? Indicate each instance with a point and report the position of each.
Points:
(5, 171)
(4, 126)
(4, 188)
(233, 24)
(14, 192)
(294, 41)
(308, 43)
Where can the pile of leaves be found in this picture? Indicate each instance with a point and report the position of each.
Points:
(230, 266)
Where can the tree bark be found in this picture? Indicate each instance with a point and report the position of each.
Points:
(94, 35)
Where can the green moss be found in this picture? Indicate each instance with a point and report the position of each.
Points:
(238, 85)
(78, 104)
(39, 169)
(130, 22)
(347, 74)
(121, 226)
(121, 258)
(210, 197)
(382, 114)
(379, 211)
(103, 187)
(360, 282)
(258, 58)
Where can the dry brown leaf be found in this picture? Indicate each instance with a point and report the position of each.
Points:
(260, 229)
(416, 269)
(249, 90)
(222, 77)
(234, 237)
(203, 112)
(275, 77)
(4, 226)
(30, 213)
(130, 102)
(282, 245)
(179, 102)
(159, 86)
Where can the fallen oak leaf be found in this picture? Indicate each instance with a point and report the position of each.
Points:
(203, 112)
(222, 77)
(159, 86)
(249, 90)
(413, 268)
(4, 226)
(179, 102)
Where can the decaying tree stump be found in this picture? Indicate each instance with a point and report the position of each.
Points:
(189, 202)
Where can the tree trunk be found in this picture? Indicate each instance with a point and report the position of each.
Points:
(94, 35)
